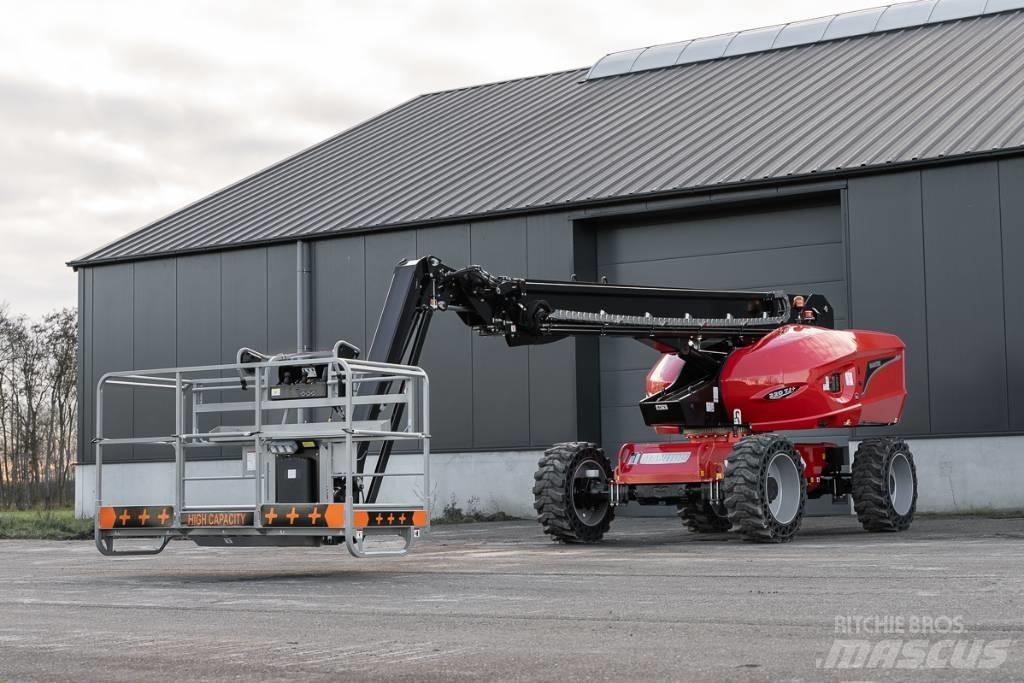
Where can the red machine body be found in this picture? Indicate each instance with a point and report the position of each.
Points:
(701, 459)
(797, 377)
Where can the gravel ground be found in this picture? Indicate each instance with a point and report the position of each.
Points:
(499, 602)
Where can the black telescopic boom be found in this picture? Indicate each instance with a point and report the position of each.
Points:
(542, 311)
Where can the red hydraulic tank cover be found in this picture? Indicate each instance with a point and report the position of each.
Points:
(807, 377)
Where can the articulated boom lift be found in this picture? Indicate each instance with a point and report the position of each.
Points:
(737, 367)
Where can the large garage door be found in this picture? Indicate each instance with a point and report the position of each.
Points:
(795, 248)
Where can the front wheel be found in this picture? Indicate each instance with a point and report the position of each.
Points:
(884, 480)
(571, 493)
(764, 488)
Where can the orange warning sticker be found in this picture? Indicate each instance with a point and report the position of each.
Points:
(332, 516)
(390, 518)
(135, 517)
(299, 515)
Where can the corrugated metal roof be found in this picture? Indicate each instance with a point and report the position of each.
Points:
(927, 92)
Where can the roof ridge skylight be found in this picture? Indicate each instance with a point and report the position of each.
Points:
(832, 27)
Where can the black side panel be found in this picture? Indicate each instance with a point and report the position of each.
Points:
(588, 349)
(282, 334)
(199, 314)
(887, 277)
(552, 366)
(243, 312)
(84, 400)
(154, 336)
(112, 350)
(339, 300)
(1011, 184)
(87, 410)
(500, 390)
(338, 297)
(963, 273)
(448, 350)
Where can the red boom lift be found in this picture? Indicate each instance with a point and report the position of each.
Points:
(737, 368)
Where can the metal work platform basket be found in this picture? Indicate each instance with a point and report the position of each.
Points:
(319, 436)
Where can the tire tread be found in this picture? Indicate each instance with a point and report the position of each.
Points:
(699, 516)
(744, 485)
(551, 493)
(871, 490)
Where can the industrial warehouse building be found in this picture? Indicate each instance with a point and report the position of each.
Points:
(876, 157)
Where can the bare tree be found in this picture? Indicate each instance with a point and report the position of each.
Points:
(61, 337)
(6, 361)
(38, 408)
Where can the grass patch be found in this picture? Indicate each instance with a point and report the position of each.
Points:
(50, 525)
(976, 512)
(453, 514)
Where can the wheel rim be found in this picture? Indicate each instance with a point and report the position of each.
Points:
(590, 506)
(901, 483)
(782, 488)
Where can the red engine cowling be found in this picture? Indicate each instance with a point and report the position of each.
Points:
(806, 377)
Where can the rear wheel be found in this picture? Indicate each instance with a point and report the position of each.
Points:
(764, 488)
(701, 517)
(571, 492)
(884, 481)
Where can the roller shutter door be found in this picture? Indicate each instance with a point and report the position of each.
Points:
(796, 248)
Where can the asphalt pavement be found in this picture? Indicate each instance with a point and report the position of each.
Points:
(498, 601)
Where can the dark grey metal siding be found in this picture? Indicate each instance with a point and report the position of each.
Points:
(199, 306)
(887, 275)
(112, 308)
(963, 262)
(244, 322)
(154, 334)
(243, 286)
(448, 351)
(1011, 194)
(549, 250)
(199, 309)
(281, 298)
(795, 247)
(82, 385)
(929, 92)
(933, 259)
(501, 397)
(339, 291)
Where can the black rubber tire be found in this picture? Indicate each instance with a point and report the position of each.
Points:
(745, 489)
(872, 497)
(552, 493)
(699, 516)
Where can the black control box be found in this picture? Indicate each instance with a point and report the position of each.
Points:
(296, 479)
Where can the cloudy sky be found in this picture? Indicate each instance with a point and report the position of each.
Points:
(115, 113)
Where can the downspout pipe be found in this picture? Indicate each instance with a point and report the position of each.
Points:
(303, 304)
